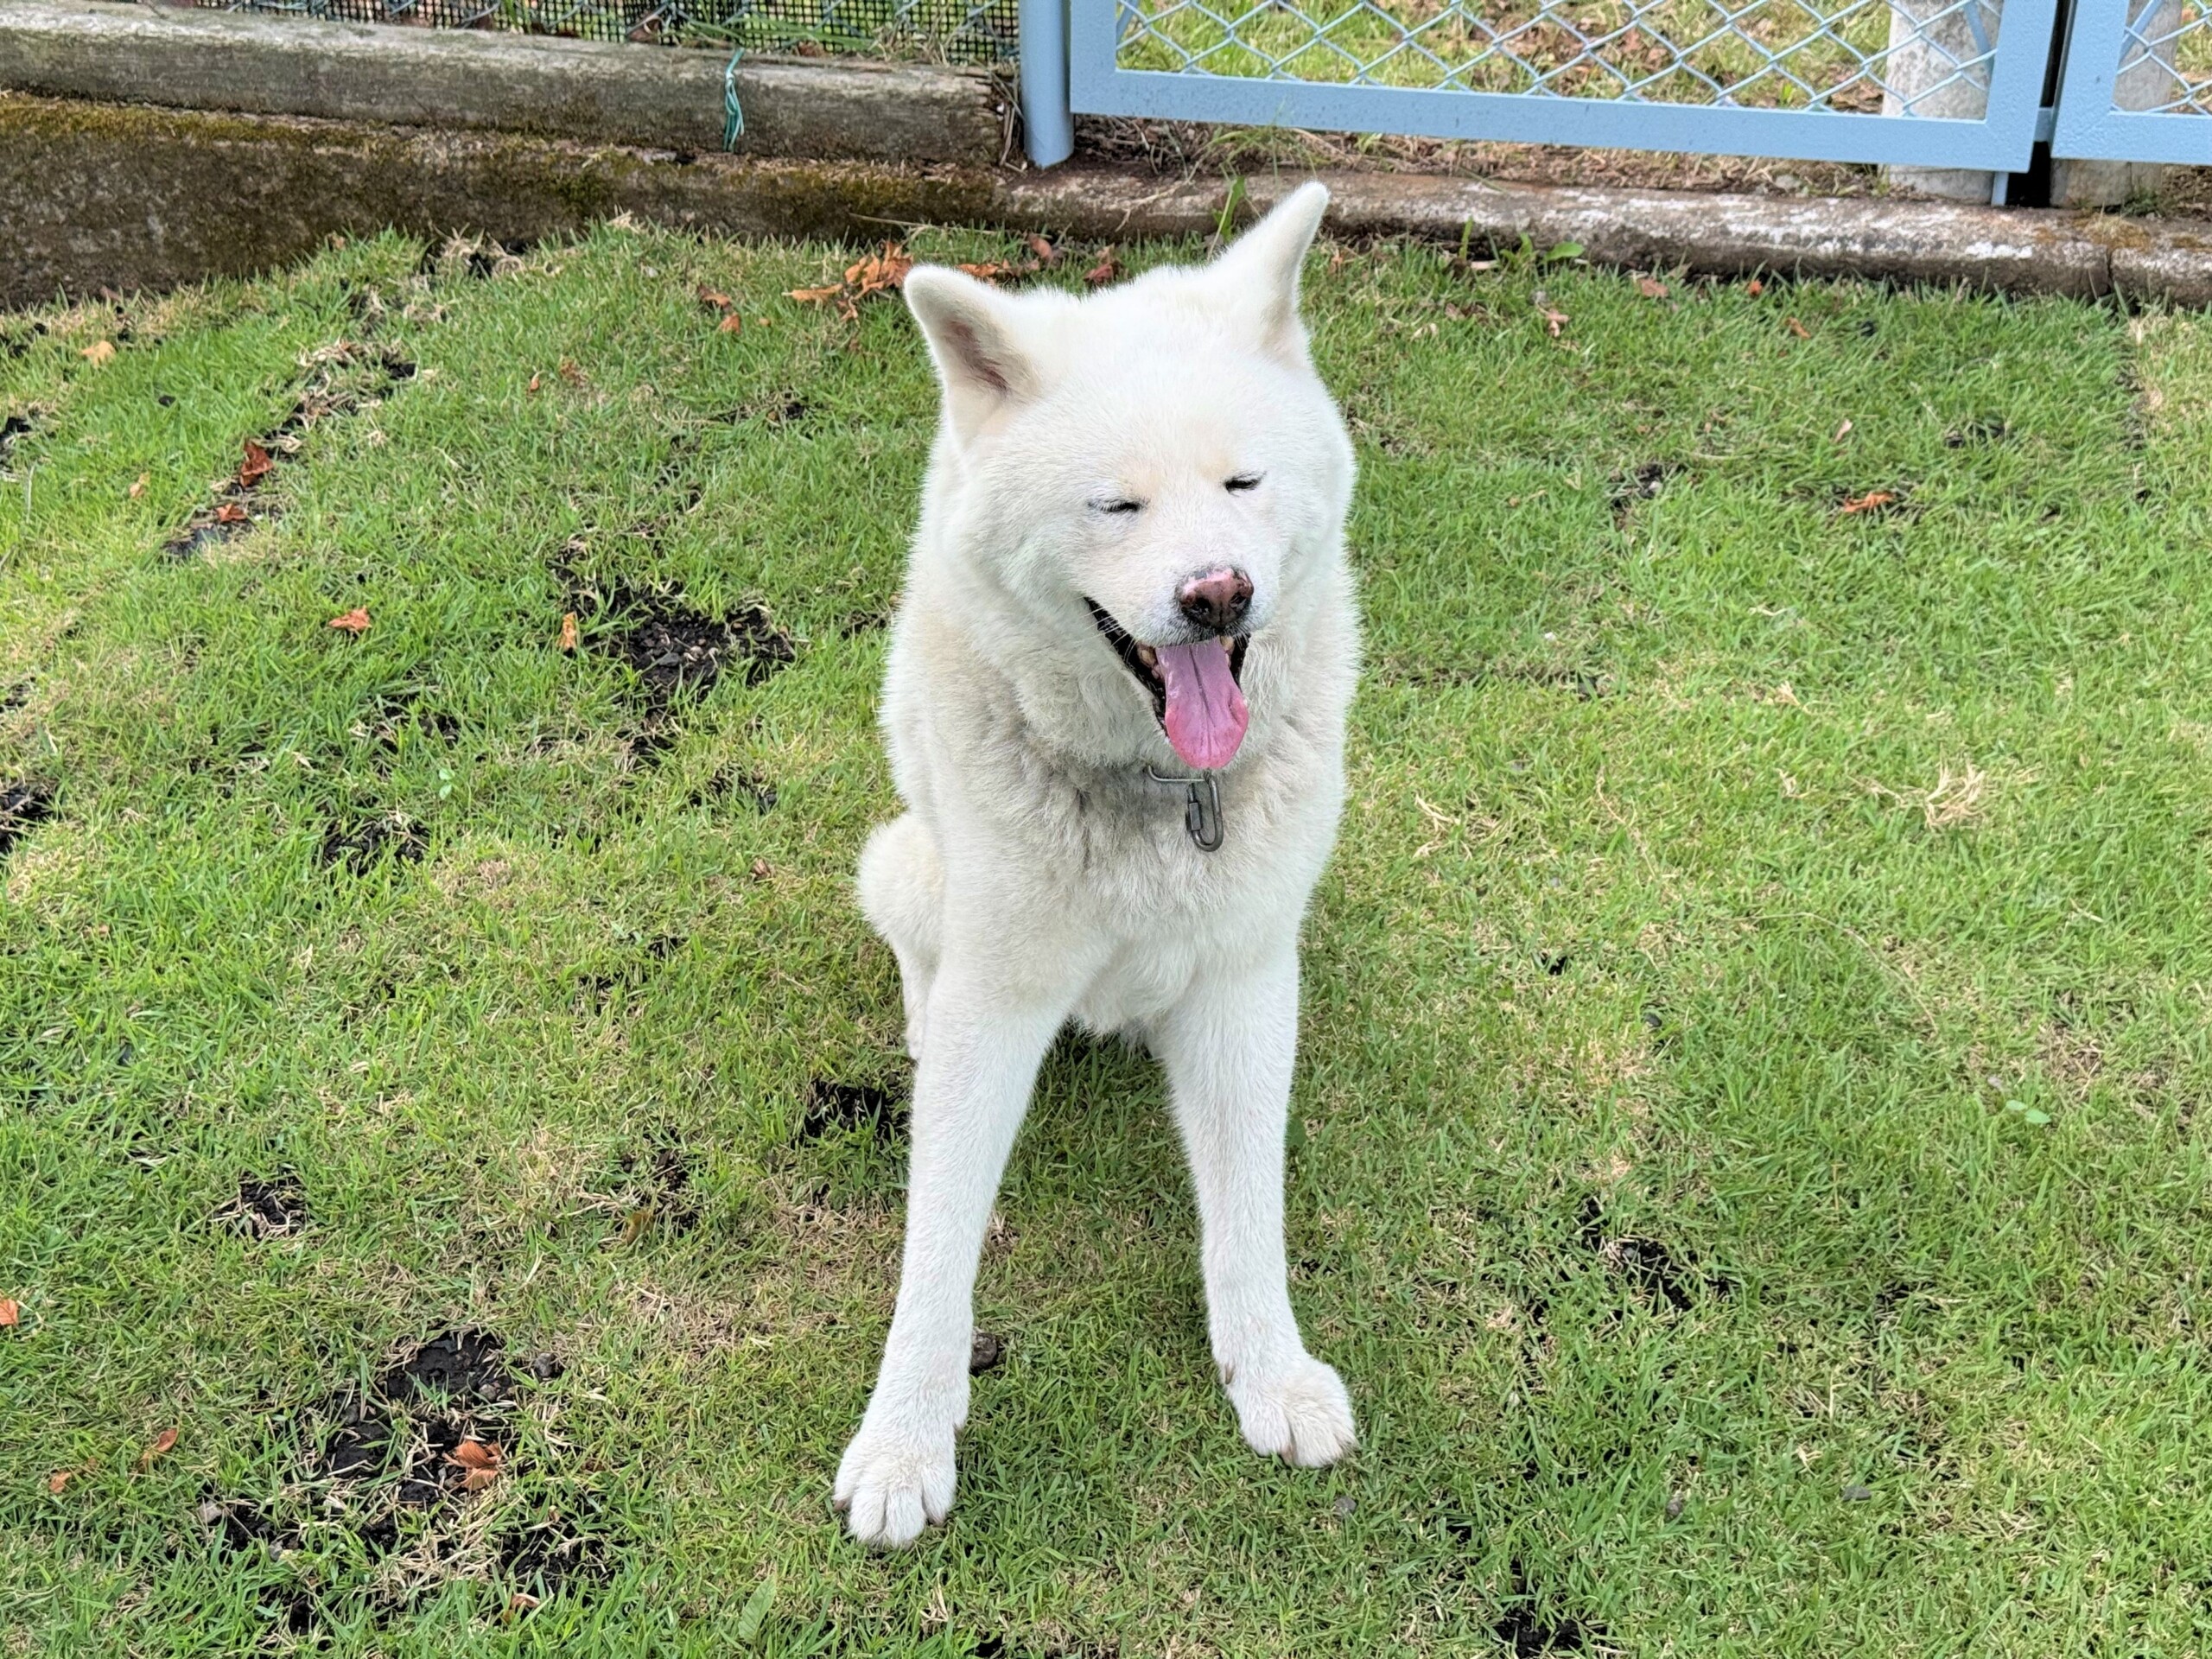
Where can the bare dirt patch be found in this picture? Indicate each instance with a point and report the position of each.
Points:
(1632, 487)
(23, 807)
(16, 427)
(341, 378)
(267, 1209)
(676, 650)
(832, 1106)
(729, 784)
(411, 1468)
(678, 653)
(358, 845)
(1528, 1633)
(1647, 1266)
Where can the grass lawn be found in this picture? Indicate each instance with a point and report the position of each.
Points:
(1746, 1158)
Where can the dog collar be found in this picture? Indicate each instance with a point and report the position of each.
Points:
(1201, 812)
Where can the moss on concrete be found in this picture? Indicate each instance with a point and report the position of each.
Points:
(123, 196)
(127, 196)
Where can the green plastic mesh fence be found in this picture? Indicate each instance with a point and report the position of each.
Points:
(955, 31)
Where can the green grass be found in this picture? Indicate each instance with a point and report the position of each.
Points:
(1756, 1018)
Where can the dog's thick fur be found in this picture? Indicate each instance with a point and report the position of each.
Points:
(1101, 451)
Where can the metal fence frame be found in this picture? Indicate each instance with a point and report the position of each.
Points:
(2091, 124)
(2002, 140)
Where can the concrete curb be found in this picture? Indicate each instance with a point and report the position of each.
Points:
(598, 90)
(124, 196)
(2011, 250)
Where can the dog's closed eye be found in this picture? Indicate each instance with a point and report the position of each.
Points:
(1243, 482)
(1117, 505)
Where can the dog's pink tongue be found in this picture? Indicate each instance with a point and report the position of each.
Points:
(1206, 716)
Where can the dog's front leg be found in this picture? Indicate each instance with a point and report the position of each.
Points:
(1229, 1046)
(970, 1090)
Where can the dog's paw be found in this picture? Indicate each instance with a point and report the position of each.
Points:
(1298, 1412)
(895, 1481)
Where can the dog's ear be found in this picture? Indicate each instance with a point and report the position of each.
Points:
(1259, 271)
(975, 337)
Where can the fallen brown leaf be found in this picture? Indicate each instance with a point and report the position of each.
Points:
(568, 631)
(535, 381)
(816, 295)
(878, 271)
(255, 466)
(12, 1311)
(139, 488)
(1841, 433)
(1755, 288)
(480, 1460)
(1652, 288)
(162, 1442)
(230, 513)
(1869, 502)
(730, 324)
(58, 1480)
(714, 299)
(354, 621)
(760, 869)
(1554, 321)
(1046, 252)
(1797, 327)
(991, 269)
(99, 351)
(569, 371)
(1104, 271)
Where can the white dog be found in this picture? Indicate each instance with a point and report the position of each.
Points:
(1115, 711)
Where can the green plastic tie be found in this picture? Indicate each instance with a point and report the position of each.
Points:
(733, 116)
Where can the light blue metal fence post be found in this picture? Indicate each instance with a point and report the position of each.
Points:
(2138, 83)
(1048, 128)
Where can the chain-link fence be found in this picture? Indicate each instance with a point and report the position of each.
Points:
(2138, 83)
(1843, 55)
(956, 31)
(2165, 58)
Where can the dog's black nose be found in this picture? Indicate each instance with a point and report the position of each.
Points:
(1217, 600)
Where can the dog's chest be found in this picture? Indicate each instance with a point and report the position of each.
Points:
(1140, 981)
